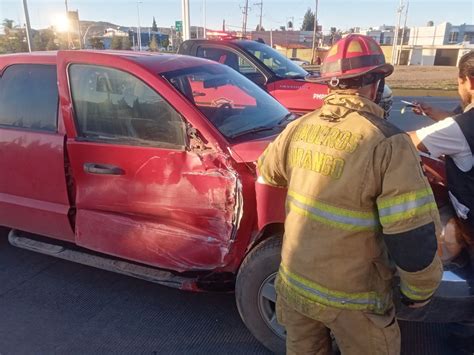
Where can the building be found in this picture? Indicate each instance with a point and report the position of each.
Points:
(284, 38)
(383, 35)
(442, 45)
(442, 34)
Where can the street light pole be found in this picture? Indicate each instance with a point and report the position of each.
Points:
(244, 19)
(395, 37)
(315, 32)
(68, 33)
(261, 14)
(139, 31)
(185, 19)
(403, 33)
(204, 17)
(28, 26)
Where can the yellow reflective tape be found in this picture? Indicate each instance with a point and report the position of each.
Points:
(325, 296)
(408, 214)
(293, 291)
(329, 222)
(331, 209)
(416, 293)
(404, 198)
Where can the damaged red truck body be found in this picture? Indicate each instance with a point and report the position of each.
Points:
(137, 163)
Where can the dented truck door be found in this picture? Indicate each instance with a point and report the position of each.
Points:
(141, 192)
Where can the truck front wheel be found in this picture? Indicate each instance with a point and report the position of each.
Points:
(255, 293)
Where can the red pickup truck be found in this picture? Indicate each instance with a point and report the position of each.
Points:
(279, 76)
(138, 164)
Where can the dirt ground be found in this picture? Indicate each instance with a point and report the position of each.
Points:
(423, 77)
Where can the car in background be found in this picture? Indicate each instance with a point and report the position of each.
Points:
(281, 77)
(268, 68)
(299, 61)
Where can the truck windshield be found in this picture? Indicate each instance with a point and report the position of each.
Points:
(233, 104)
(275, 61)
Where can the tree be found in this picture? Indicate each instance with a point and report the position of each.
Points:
(51, 45)
(126, 43)
(116, 43)
(259, 29)
(153, 47)
(7, 25)
(38, 42)
(154, 27)
(14, 40)
(96, 43)
(165, 43)
(308, 21)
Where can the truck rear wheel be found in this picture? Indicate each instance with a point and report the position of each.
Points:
(255, 293)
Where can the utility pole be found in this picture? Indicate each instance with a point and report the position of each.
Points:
(28, 26)
(67, 19)
(403, 32)
(79, 29)
(271, 38)
(204, 17)
(245, 12)
(315, 32)
(139, 30)
(261, 14)
(397, 30)
(185, 19)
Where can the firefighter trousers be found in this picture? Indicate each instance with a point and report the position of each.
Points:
(356, 332)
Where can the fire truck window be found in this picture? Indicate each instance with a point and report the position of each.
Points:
(29, 97)
(114, 106)
(223, 56)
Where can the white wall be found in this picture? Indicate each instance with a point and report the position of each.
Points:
(428, 56)
(429, 36)
(416, 56)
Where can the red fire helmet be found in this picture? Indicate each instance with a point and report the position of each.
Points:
(353, 56)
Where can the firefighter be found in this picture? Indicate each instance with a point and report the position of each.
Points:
(358, 208)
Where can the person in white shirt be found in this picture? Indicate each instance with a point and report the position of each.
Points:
(445, 137)
(453, 136)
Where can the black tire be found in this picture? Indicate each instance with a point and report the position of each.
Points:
(260, 266)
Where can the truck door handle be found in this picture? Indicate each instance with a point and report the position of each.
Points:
(103, 169)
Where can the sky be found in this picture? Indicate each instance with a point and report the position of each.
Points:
(332, 13)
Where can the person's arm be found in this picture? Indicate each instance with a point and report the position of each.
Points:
(417, 142)
(409, 219)
(442, 138)
(435, 113)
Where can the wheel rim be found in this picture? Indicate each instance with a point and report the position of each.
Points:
(266, 305)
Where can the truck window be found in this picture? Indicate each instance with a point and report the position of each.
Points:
(224, 56)
(114, 106)
(232, 103)
(29, 97)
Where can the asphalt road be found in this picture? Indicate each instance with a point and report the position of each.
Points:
(50, 306)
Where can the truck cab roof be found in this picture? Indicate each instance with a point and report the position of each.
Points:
(156, 62)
